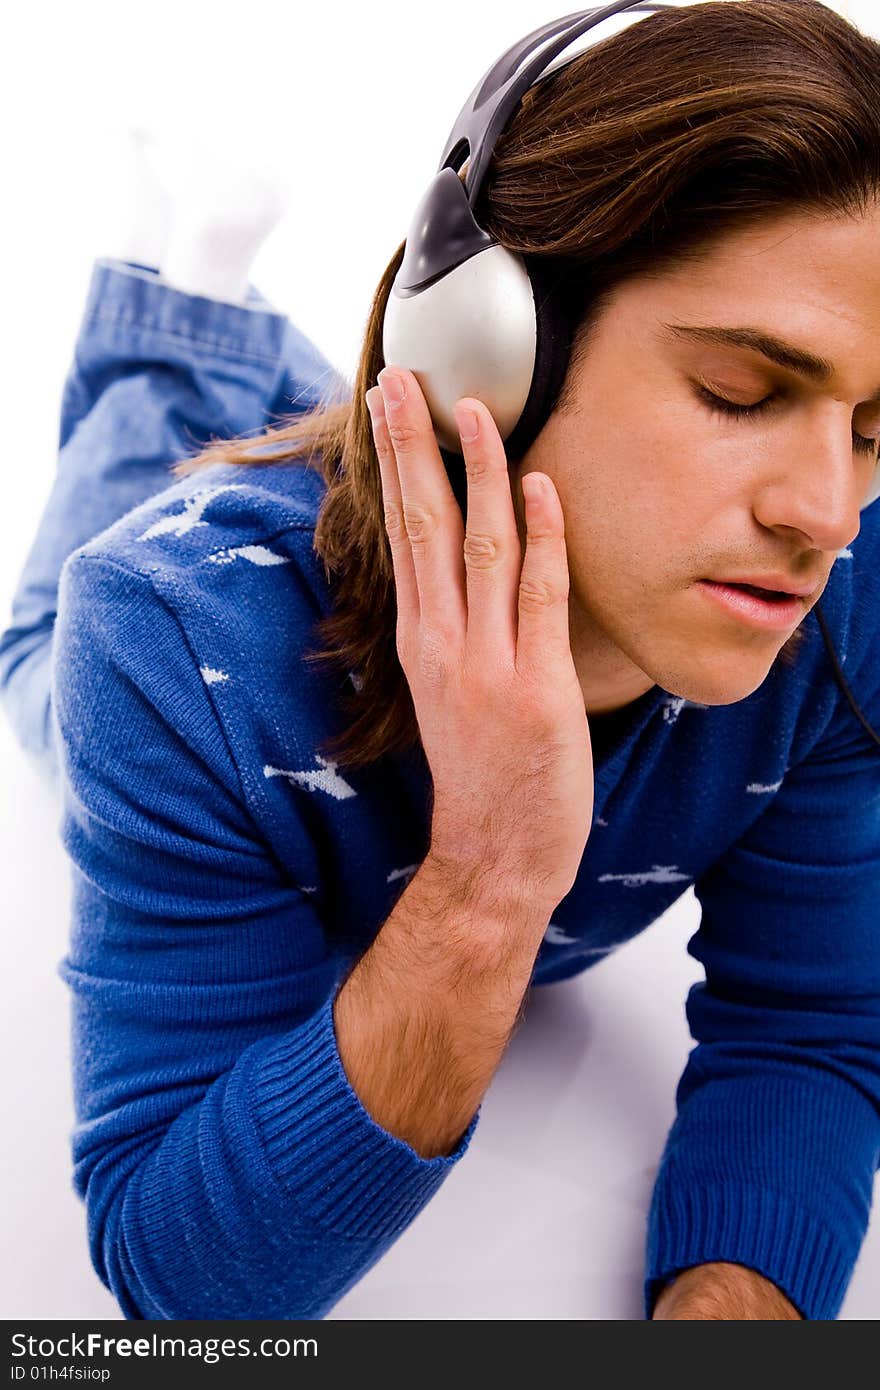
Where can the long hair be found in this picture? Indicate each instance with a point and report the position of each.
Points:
(636, 156)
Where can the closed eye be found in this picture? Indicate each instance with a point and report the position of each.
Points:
(722, 406)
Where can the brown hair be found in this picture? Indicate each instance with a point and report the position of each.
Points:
(637, 155)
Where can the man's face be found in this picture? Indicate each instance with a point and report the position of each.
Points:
(659, 492)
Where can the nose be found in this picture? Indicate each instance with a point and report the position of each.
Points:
(818, 487)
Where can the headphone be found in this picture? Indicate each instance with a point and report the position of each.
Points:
(470, 318)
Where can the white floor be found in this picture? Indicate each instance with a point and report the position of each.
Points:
(544, 1217)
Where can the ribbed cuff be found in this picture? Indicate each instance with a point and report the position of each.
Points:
(748, 1225)
(125, 293)
(346, 1172)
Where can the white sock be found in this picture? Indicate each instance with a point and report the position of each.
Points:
(137, 202)
(222, 210)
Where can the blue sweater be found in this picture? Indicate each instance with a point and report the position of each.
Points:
(225, 878)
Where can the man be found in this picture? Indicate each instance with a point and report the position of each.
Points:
(227, 874)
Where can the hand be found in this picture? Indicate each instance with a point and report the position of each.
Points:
(482, 636)
(725, 1292)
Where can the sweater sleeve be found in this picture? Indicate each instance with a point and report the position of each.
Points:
(227, 1167)
(771, 1160)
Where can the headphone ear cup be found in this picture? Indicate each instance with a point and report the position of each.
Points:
(470, 332)
(557, 312)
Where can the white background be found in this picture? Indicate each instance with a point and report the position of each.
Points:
(544, 1218)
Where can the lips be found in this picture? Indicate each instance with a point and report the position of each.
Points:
(769, 584)
(775, 614)
(782, 594)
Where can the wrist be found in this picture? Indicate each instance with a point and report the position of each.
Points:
(459, 955)
(502, 925)
(723, 1290)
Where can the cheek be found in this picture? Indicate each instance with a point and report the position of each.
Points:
(671, 496)
(612, 538)
(635, 494)
(697, 467)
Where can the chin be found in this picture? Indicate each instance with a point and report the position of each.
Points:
(717, 680)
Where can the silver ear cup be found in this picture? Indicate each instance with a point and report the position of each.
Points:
(473, 332)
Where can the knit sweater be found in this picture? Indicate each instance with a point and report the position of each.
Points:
(226, 875)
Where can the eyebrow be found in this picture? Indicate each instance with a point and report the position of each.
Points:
(817, 369)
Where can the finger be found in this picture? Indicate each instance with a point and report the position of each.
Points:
(433, 520)
(401, 553)
(492, 550)
(543, 631)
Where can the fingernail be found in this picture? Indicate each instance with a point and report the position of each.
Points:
(373, 399)
(468, 425)
(392, 384)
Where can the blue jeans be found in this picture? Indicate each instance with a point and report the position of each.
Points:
(155, 374)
